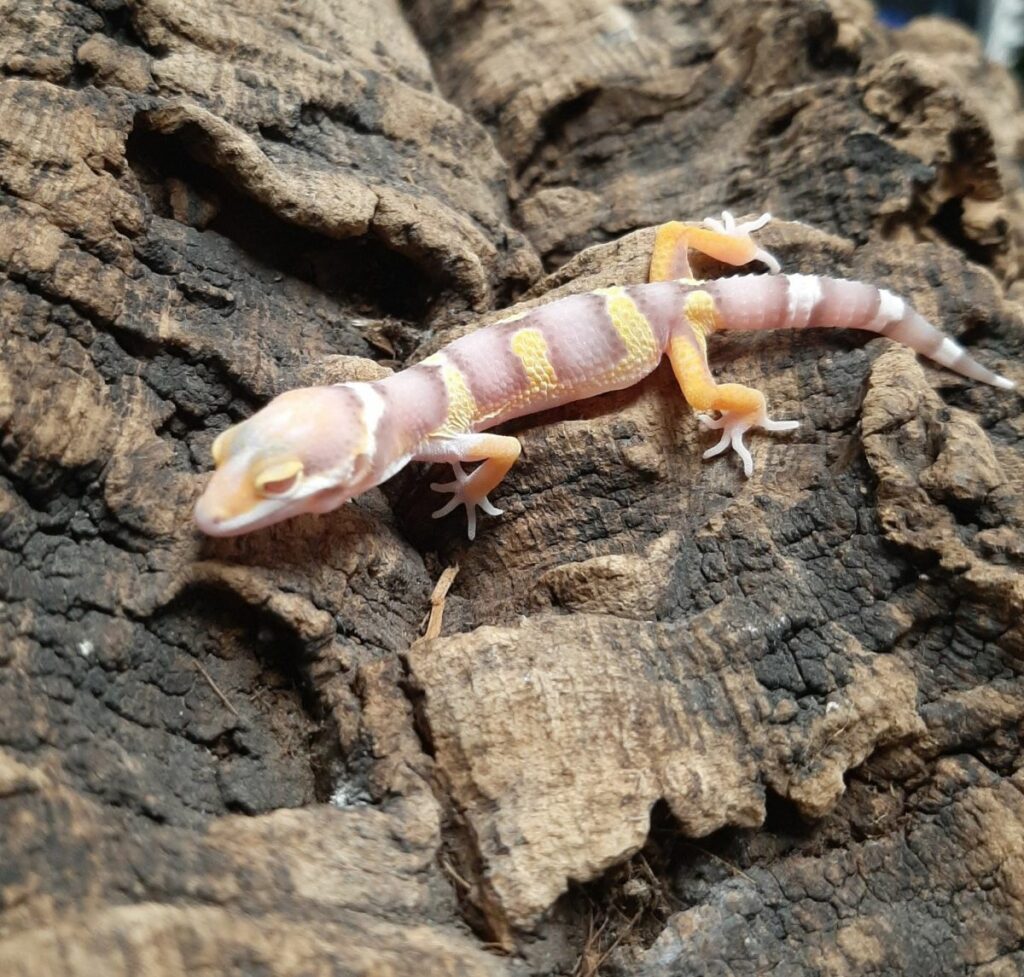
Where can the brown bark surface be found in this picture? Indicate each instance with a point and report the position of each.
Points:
(675, 722)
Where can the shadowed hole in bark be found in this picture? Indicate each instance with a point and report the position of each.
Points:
(118, 26)
(779, 122)
(252, 690)
(54, 494)
(823, 48)
(363, 271)
(782, 818)
(972, 514)
(458, 856)
(421, 725)
(551, 130)
(949, 222)
(630, 904)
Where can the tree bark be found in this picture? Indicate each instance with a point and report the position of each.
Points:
(674, 721)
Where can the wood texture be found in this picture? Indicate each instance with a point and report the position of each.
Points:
(675, 722)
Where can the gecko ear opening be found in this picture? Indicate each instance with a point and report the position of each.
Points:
(277, 480)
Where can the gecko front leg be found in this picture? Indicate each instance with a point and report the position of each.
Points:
(496, 454)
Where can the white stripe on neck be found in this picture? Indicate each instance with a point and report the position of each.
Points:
(372, 404)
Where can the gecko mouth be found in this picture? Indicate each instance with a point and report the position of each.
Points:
(215, 522)
(217, 519)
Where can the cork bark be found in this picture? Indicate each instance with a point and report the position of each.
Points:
(671, 721)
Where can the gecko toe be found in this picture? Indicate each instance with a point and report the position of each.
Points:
(488, 508)
(459, 497)
(767, 258)
(748, 227)
(722, 445)
(735, 426)
(769, 425)
(449, 506)
(710, 423)
(743, 451)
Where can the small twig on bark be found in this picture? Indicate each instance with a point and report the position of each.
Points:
(216, 688)
(454, 875)
(593, 968)
(437, 599)
(735, 869)
(585, 966)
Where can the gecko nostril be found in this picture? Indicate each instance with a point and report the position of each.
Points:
(209, 515)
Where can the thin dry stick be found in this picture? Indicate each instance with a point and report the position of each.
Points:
(450, 870)
(735, 869)
(213, 685)
(618, 939)
(584, 967)
(437, 599)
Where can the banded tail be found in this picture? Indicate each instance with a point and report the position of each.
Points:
(749, 302)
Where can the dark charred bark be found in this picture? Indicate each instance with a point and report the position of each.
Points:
(676, 722)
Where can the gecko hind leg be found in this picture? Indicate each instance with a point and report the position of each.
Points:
(740, 408)
(728, 226)
(724, 240)
(734, 426)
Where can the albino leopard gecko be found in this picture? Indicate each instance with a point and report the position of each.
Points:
(312, 449)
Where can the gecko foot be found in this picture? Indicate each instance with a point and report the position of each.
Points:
(728, 226)
(462, 494)
(733, 426)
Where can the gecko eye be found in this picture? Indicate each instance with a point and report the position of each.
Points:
(278, 480)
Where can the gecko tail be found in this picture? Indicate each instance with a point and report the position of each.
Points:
(750, 302)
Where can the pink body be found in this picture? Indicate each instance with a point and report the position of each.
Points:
(589, 356)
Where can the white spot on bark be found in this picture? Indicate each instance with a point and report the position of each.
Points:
(347, 795)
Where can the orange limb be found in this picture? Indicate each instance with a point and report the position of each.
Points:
(740, 408)
(724, 241)
(496, 453)
(690, 365)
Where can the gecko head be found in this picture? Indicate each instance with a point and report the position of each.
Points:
(308, 450)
